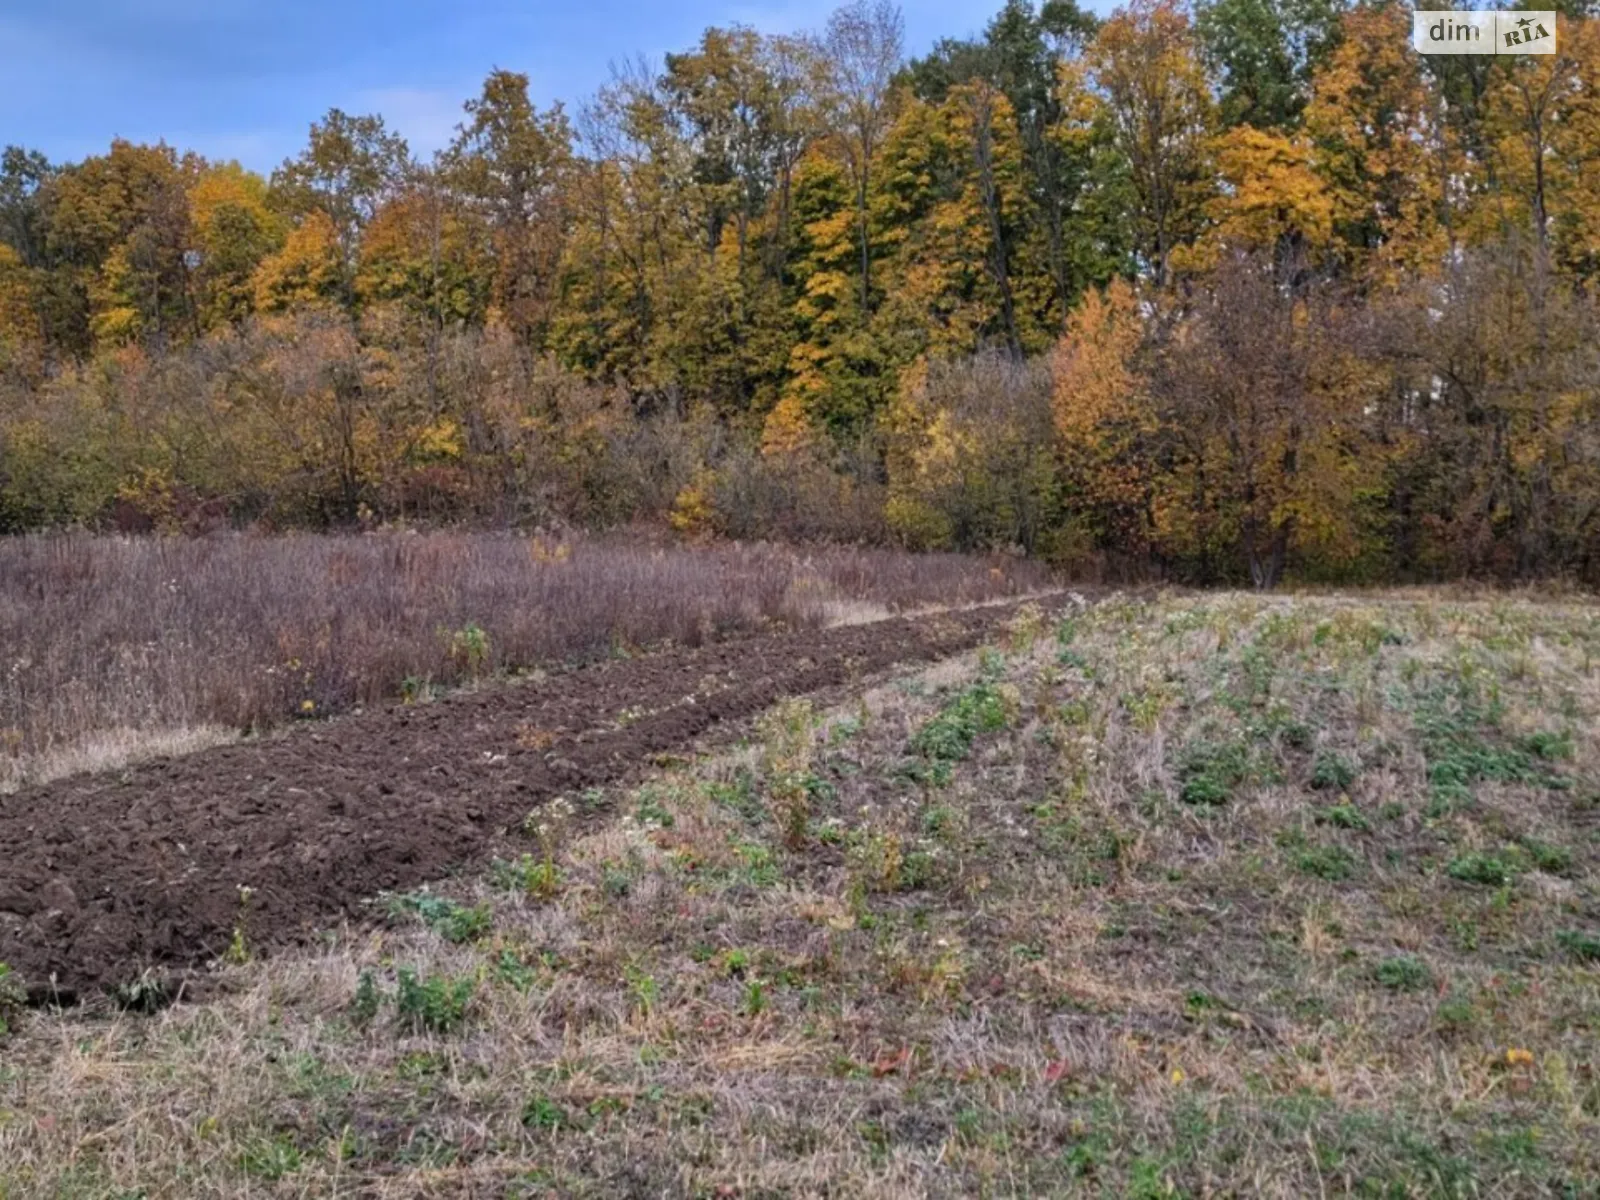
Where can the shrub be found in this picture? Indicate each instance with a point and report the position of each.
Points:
(992, 414)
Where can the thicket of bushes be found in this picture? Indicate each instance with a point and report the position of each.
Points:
(1217, 291)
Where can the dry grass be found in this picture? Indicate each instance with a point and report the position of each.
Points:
(104, 641)
(1234, 896)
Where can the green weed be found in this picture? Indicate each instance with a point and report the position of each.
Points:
(1344, 816)
(1332, 772)
(541, 1112)
(1326, 862)
(12, 997)
(1585, 947)
(271, 1159)
(1463, 746)
(528, 875)
(1403, 973)
(1552, 860)
(1485, 869)
(364, 1005)
(1210, 771)
(469, 648)
(433, 1004)
(949, 734)
(456, 923)
(786, 750)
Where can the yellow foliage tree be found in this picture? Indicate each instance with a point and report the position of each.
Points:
(233, 231)
(1146, 66)
(419, 251)
(21, 346)
(306, 273)
(1272, 198)
(1102, 416)
(922, 455)
(1542, 123)
(788, 431)
(1381, 147)
(694, 510)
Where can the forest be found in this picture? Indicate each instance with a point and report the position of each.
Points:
(1236, 291)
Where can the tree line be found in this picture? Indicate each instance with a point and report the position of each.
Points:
(1221, 291)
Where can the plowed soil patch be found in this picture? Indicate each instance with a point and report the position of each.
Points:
(105, 876)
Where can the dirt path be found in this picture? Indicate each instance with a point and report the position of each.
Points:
(105, 876)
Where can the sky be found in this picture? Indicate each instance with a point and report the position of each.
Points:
(243, 79)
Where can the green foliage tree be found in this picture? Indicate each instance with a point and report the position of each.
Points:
(510, 166)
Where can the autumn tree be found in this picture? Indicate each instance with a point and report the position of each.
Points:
(234, 229)
(1497, 363)
(1104, 424)
(863, 44)
(1263, 450)
(24, 275)
(307, 272)
(739, 105)
(118, 226)
(1542, 132)
(1272, 200)
(21, 346)
(953, 204)
(23, 175)
(1144, 64)
(350, 166)
(422, 254)
(1382, 148)
(511, 165)
(1025, 54)
(836, 371)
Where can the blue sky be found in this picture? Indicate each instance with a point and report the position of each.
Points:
(241, 79)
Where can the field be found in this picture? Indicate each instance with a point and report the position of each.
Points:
(1149, 896)
(116, 649)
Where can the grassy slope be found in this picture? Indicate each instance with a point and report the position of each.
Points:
(1266, 896)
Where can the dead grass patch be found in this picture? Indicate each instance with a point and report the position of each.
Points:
(1017, 950)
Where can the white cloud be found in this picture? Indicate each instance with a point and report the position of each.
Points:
(425, 117)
